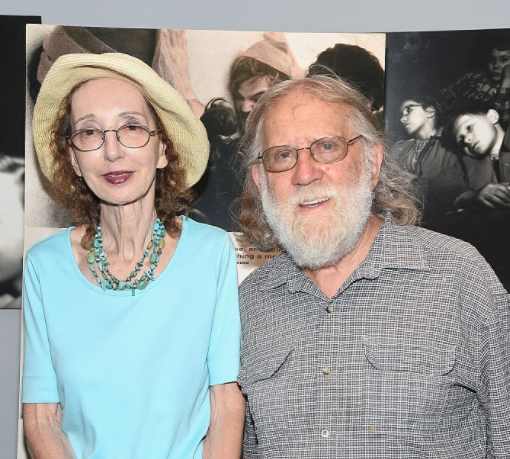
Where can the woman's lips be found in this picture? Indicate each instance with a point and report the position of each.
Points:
(117, 177)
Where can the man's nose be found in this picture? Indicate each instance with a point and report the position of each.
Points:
(306, 170)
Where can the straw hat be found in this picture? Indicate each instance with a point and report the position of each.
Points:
(186, 132)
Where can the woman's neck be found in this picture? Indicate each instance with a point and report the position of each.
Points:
(126, 230)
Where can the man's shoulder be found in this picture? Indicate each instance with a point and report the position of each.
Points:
(440, 249)
(276, 268)
(433, 241)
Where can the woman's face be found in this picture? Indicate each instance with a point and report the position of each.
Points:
(415, 117)
(116, 174)
(11, 225)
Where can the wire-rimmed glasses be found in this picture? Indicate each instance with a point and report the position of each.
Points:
(325, 151)
(129, 135)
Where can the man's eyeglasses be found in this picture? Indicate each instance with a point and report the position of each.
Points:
(409, 108)
(325, 151)
(129, 135)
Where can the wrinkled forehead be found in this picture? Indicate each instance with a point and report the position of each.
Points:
(118, 92)
(298, 105)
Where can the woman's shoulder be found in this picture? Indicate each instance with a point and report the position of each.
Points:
(193, 228)
(50, 244)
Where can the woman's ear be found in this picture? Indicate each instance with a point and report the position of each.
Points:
(162, 159)
(74, 161)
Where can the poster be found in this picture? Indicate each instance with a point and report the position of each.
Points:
(12, 154)
(198, 64)
(447, 120)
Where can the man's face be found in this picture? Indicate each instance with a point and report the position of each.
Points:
(497, 62)
(317, 211)
(247, 95)
(475, 134)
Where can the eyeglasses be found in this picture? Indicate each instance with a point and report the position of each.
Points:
(325, 151)
(409, 108)
(129, 135)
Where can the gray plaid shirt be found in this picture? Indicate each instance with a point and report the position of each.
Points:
(409, 359)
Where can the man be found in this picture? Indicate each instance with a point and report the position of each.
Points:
(491, 84)
(367, 337)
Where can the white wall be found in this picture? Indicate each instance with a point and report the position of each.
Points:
(278, 15)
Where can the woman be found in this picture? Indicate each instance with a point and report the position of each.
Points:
(131, 316)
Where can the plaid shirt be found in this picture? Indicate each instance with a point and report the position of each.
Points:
(477, 86)
(409, 359)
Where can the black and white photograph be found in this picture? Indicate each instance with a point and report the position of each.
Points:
(447, 119)
(12, 157)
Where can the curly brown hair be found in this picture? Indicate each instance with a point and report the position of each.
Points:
(172, 196)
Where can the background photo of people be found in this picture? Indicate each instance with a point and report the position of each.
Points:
(12, 157)
(221, 74)
(447, 116)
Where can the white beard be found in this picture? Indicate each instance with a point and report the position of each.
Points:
(319, 240)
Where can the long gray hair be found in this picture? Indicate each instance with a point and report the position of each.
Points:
(394, 195)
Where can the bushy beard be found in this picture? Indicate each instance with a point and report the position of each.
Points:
(319, 239)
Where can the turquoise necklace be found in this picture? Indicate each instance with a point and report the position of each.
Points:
(107, 281)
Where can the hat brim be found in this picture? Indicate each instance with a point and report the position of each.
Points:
(187, 133)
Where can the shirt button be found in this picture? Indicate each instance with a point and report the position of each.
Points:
(330, 308)
(325, 433)
(326, 371)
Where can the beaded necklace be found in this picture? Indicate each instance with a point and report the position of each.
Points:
(97, 256)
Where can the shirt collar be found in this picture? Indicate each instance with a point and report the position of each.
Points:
(394, 247)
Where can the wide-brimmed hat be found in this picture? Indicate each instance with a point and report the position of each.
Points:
(184, 129)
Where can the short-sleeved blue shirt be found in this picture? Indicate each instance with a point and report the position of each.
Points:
(132, 373)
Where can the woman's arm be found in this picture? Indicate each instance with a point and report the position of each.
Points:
(43, 430)
(225, 435)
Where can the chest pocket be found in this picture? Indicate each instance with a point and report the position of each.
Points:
(268, 385)
(430, 359)
(406, 385)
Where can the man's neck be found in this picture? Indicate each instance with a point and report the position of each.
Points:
(330, 279)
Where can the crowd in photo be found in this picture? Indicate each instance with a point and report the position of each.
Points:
(448, 106)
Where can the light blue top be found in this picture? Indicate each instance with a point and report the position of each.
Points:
(132, 373)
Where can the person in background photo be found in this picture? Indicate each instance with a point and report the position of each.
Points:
(359, 67)
(490, 84)
(423, 154)
(476, 195)
(12, 181)
(264, 64)
(123, 355)
(368, 337)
